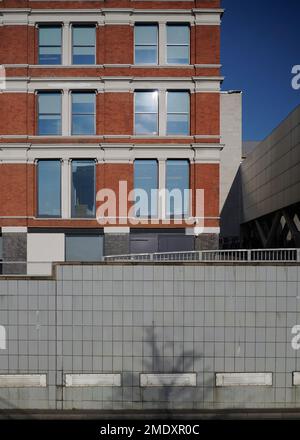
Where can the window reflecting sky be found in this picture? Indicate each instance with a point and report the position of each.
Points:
(50, 40)
(83, 188)
(84, 44)
(177, 178)
(49, 117)
(146, 113)
(49, 188)
(146, 44)
(146, 178)
(83, 113)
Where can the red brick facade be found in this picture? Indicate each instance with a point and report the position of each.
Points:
(114, 109)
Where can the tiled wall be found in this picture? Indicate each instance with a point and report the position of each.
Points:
(132, 319)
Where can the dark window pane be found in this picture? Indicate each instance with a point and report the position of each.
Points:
(146, 179)
(82, 58)
(49, 188)
(177, 178)
(84, 247)
(83, 188)
(50, 55)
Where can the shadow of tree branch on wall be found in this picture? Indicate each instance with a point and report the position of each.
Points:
(172, 395)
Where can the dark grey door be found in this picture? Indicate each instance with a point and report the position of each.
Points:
(143, 243)
(176, 242)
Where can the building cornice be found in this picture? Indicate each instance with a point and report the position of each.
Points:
(109, 16)
(109, 153)
(103, 84)
(113, 84)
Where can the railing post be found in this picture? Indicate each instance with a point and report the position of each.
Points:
(249, 255)
(298, 255)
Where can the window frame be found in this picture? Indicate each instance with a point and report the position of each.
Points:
(178, 113)
(48, 92)
(83, 92)
(72, 206)
(146, 113)
(140, 24)
(178, 45)
(50, 25)
(83, 25)
(44, 216)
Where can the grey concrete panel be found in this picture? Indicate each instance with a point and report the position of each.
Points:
(136, 319)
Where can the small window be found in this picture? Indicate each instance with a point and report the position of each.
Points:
(83, 113)
(146, 113)
(84, 247)
(84, 44)
(50, 47)
(177, 184)
(178, 117)
(49, 188)
(146, 187)
(178, 44)
(145, 43)
(49, 113)
(83, 188)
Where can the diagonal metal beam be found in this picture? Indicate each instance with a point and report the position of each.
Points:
(273, 229)
(292, 227)
(261, 233)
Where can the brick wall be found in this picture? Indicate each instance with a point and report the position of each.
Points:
(118, 113)
(114, 110)
(17, 114)
(206, 177)
(206, 113)
(15, 181)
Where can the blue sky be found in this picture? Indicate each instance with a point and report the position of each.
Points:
(260, 45)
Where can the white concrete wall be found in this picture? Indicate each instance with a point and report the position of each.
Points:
(42, 250)
(230, 161)
(231, 136)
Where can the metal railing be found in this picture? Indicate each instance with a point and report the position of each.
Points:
(235, 255)
(231, 256)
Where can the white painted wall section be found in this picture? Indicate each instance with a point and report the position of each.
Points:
(42, 251)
